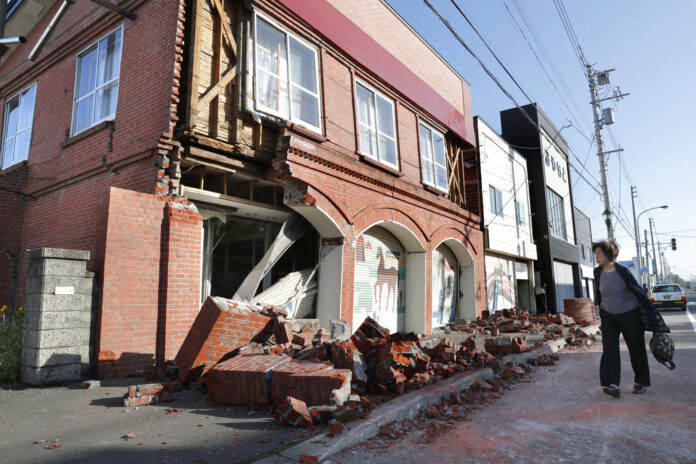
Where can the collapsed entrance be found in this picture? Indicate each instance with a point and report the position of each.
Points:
(254, 248)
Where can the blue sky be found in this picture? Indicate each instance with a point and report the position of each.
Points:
(651, 45)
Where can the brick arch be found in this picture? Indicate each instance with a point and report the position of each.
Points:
(324, 214)
(376, 215)
(471, 264)
(449, 232)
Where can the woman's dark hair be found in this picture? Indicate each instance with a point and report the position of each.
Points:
(608, 247)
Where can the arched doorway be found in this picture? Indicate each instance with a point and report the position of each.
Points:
(379, 279)
(445, 286)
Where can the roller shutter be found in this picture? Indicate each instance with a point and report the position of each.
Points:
(380, 274)
(563, 276)
(444, 286)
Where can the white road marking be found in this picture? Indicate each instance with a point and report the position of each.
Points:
(691, 318)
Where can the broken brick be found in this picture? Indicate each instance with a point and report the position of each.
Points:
(221, 327)
(242, 380)
(370, 329)
(292, 411)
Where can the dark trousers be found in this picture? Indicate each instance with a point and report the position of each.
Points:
(630, 324)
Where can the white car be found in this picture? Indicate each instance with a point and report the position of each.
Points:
(668, 296)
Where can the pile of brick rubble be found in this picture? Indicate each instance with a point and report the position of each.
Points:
(252, 355)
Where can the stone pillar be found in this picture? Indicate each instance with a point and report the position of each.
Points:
(57, 323)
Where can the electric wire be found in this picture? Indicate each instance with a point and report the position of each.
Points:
(485, 42)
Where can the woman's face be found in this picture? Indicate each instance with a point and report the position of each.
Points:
(601, 257)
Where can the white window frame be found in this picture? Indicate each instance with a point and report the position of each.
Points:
(19, 96)
(520, 214)
(375, 129)
(75, 99)
(265, 109)
(556, 215)
(434, 163)
(496, 203)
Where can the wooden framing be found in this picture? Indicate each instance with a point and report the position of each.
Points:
(455, 169)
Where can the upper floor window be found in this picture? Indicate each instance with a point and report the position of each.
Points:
(287, 76)
(376, 125)
(96, 82)
(19, 114)
(520, 213)
(433, 156)
(556, 213)
(496, 200)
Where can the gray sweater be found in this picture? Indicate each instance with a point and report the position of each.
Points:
(616, 297)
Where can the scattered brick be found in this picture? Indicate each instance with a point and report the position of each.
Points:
(292, 411)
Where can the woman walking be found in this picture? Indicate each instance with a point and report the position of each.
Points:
(624, 309)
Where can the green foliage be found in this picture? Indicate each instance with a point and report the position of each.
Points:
(10, 343)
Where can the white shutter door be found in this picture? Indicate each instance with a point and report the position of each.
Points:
(564, 283)
(380, 274)
(445, 271)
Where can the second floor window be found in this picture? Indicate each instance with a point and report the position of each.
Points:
(496, 200)
(96, 82)
(520, 213)
(376, 126)
(556, 213)
(433, 158)
(287, 78)
(16, 135)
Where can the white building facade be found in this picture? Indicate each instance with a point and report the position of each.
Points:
(510, 251)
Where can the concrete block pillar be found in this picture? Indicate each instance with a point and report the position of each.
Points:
(58, 319)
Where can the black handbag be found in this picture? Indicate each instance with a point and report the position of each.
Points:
(662, 348)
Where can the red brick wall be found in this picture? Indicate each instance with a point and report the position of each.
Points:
(68, 208)
(151, 279)
(11, 225)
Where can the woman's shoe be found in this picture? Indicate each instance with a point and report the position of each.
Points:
(638, 389)
(612, 390)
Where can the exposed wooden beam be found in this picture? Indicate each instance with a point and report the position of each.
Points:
(217, 88)
(226, 26)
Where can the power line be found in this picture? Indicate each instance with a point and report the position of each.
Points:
(485, 42)
(570, 32)
(500, 86)
(541, 65)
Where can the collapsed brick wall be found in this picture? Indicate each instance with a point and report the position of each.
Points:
(151, 280)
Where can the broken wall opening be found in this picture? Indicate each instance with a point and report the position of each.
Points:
(254, 248)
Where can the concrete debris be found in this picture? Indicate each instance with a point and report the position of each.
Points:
(340, 330)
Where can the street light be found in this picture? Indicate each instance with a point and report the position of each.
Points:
(636, 221)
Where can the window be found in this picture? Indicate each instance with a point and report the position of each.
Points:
(520, 213)
(433, 158)
(376, 125)
(496, 200)
(556, 214)
(96, 82)
(287, 88)
(582, 248)
(19, 114)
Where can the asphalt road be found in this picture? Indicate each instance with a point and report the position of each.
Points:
(563, 416)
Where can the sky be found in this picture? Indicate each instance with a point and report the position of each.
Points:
(650, 44)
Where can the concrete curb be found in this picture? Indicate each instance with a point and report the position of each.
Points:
(407, 406)
(403, 407)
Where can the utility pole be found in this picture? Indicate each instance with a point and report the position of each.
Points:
(601, 119)
(634, 194)
(662, 257)
(652, 240)
(647, 255)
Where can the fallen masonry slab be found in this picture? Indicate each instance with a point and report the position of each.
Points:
(315, 383)
(140, 395)
(244, 379)
(221, 326)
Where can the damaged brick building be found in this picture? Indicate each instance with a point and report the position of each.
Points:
(314, 155)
